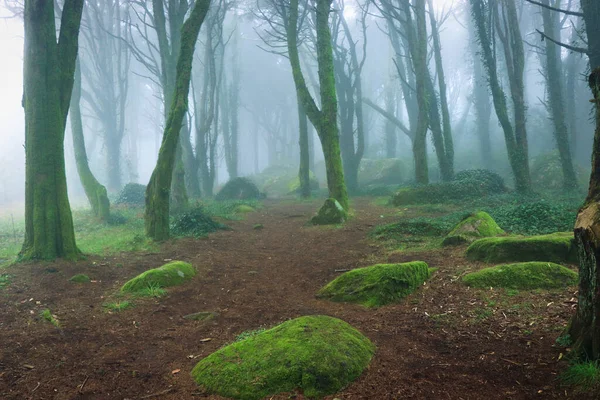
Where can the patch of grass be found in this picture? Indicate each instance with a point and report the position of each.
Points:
(48, 316)
(4, 280)
(524, 276)
(227, 209)
(482, 314)
(377, 285)
(248, 334)
(584, 376)
(152, 290)
(117, 306)
(564, 340)
(318, 355)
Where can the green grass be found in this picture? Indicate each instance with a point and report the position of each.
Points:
(47, 316)
(248, 334)
(4, 280)
(117, 306)
(152, 290)
(584, 376)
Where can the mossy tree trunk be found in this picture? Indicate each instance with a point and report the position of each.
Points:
(585, 325)
(94, 191)
(554, 86)
(157, 193)
(304, 170)
(325, 119)
(49, 68)
(516, 138)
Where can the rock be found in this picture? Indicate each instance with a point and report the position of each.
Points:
(239, 189)
(172, 274)
(377, 285)
(331, 213)
(475, 226)
(80, 278)
(317, 355)
(557, 247)
(523, 276)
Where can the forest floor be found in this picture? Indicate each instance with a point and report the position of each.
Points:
(445, 341)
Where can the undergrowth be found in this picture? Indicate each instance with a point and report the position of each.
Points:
(584, 376)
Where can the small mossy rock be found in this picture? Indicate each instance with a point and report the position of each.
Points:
(318, 355)
(523, 276)
(557, 247)
(239, 189)
(386, 171)
(202, 316)
(80, 278)
(132, 194)
(331, 213)
(377, 285)
(171, 274)
(475, 226)
(244, 209)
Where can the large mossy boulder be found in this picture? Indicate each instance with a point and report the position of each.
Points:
(523, 276)
(467, 185)
(475, 226)
(317, 355)
(239, 189)
(172, 274)
(377, 285)
(557, 247)
(332, 213)
(132, 194)
(385, 171)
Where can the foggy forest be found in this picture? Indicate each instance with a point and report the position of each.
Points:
(299, 199)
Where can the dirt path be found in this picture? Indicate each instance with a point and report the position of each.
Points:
(445, 341)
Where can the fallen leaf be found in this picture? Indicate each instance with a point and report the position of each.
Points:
(205, 340)
(28, 366)
(176, 371)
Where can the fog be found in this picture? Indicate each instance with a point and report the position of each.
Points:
(268, 120)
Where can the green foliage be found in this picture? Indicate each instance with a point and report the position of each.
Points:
(117, 306)
(564, 340)
(331, 213)
(132, 194)
(377, 285)
(523, 276)
(585, 376)
(476, 225)
(4, 280)
(547, 174)
(557, 247)
(47, 316)
(171, 274)
(248, 334)
(239, 189)
(194, 222)
(318, 355)
(152, 290)
(491, 179)
(80, 278)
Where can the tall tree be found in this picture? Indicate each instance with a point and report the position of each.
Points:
(157, 193)
(49, 68)
(324, 119)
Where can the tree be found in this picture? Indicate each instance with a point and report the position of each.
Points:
(49, 68)
(94, 191)
(324, 119)
(157, 193)
(501, 19)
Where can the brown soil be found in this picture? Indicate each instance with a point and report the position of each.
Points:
(445, 341)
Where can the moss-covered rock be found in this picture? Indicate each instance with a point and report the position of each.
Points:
(244, 209)
(80, 278)
(386, 171)
(523, 276)
(377, 285)
(475, 226)
(132, 194)
(171, 274)
(239, 189)
(557, 247)
(318, 355)
(331, 213)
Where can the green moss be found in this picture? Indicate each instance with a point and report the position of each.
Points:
(319, 355)
(48, 316)
(377, 285)
(476, 225)
(244, 209)
(557, 247)
(171, 274)
(80, 278)
(331, 213)
(530, 275)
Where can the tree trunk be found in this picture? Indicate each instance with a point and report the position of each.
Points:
(391, 140)
(420, 62)
(304, 171)
(49, 70)
(156, 216)
(554, 78)
(95, 192)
